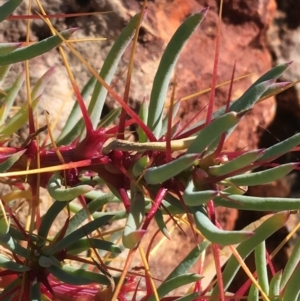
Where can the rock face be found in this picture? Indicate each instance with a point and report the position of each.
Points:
(283, 40)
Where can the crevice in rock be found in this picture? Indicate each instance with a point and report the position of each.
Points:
(83, 3)
(41, 31)
(240, 12)
(291, 10)
(285, 124)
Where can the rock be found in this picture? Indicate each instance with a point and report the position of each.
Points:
(283, 40)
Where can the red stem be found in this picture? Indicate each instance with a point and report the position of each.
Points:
(157, 202)
(215, 71)
(223, 136)
(84, 111)
(216, 250)
(125, 199)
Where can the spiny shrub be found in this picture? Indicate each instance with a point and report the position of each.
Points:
(170, 171)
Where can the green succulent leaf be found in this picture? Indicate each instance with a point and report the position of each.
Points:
(189, 297)
(215, 234)
(35, 292)
(172, 201)
(73, 237)
(11, 244)
(291, 265)
(173, 283)
(251, 96)
(16, 234)
(274, 89)
(280, 148)
(275, 286)
(274, 73)
(60, 193)
(262, 232)
(259, 88)
(234, 190)
(132, 235)
(236, 164)
(92, 206)
(11, 96)
(263, 177)
(143, 114)
(12, 159)
(213, 131)
(18, 120)
(8, 47)
(118, 214)
(3, 73)
(160, 174)
(189, 261)
(88, 243)
(29, 52)
(166, 67)
(193, 197)
(8, 264)
(243, 202)
(109, 68)
(159, 218)
(45, 261)
(243, 103)
(4, 225)
(140, 165)
(8, 7)
(253, 293)
(73, 275)
(48, 220)
(292, 290)
(261, 267)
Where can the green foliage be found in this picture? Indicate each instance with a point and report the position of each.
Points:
(166, 67)
(29, 52)
(147, 181)
(8, 7)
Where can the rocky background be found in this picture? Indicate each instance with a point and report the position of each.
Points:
(256, 34)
